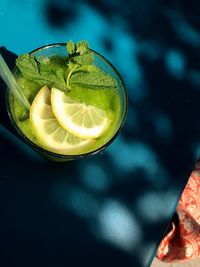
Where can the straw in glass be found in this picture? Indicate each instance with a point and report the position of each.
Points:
(12, 84)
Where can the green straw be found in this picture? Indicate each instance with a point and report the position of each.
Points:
(12, 84)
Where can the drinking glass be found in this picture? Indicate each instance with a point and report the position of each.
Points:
(59, 49)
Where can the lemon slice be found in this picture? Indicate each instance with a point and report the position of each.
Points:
(48, 131)
(80, 119)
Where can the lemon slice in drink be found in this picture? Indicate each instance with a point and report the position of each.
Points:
(80, 119)
(48, 131)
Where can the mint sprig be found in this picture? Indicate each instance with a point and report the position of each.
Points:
(85, 74)
(78, 69)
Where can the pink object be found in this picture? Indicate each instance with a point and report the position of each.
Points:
(182, 241)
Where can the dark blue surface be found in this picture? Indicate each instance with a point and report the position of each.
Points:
(112, 209)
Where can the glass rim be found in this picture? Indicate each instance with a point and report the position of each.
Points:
(78, 156)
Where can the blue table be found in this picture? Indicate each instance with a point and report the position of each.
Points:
(111, 209)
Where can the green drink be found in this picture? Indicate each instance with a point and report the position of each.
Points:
(77, 99)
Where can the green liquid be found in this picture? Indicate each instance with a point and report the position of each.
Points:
(105, 99)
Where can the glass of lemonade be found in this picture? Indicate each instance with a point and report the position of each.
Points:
(68, 125)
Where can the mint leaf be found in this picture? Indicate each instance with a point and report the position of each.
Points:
(51, 69)
(70, 47)
(84, 59)
(92, 78)
(82, 47)
(28, 65)
(42, 71)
